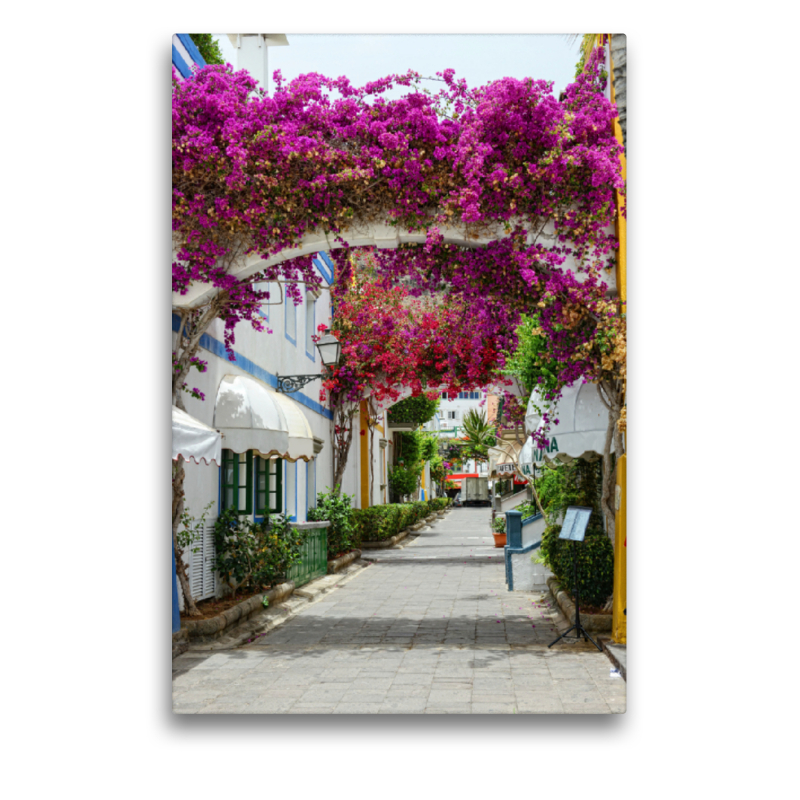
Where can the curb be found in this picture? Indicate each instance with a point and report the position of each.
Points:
(386, 542)
(613, 657)
(213, 628)
(337, 564)
(599, 623)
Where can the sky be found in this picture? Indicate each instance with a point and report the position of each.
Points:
(480, 58)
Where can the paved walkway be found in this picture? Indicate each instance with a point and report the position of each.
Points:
(429, 628)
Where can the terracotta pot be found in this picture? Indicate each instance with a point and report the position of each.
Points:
(499, 539)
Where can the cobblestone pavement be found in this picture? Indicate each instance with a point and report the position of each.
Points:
(429, 628)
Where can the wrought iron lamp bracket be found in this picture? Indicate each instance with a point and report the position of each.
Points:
(293, 383)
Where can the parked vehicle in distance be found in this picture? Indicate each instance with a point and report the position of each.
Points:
(457, 500)
(476, 492)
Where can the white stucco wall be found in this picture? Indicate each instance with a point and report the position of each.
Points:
(277, 355)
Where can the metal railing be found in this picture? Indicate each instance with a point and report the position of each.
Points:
(313, 553)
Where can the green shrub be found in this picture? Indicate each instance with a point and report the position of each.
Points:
(527, 510)
(499, 524)
(418, 410)
(595, 563)
(252, 555)
(403, 481)
(377, 523)
(343, 534)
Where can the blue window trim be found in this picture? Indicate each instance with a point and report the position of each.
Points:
(286, 301)
(324, 264)
(312, 356)
(180, 64)
(216, 348)
(191, 49)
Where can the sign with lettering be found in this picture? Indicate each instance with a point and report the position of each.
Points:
(575, 522)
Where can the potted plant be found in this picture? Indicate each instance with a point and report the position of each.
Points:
(499, 530)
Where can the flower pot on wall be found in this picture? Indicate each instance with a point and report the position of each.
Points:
(499, 539)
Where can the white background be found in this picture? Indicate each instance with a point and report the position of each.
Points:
(713, 527)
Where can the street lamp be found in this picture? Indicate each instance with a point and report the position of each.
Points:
(330, 351)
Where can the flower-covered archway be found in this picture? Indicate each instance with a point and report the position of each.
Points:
(501, 197)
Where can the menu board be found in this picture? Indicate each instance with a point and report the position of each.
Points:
(575, 521)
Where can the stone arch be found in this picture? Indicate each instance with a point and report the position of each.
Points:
(380, 235)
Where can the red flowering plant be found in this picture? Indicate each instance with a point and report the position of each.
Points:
(393, 342)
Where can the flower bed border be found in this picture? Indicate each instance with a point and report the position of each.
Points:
(599, 623)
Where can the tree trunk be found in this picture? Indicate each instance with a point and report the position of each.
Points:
(178, 474)
(342, 437)
(186, 346)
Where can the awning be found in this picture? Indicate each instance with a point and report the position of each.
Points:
(194, 440)
(301, 438)
(251, 416)
(582, 423)
(506, 453)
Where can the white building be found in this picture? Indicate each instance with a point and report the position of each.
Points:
(241, 399)
(448, 422)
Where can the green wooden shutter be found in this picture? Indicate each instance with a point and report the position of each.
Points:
(248, 508)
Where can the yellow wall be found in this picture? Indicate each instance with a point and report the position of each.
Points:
(364, 437)
(619, 625)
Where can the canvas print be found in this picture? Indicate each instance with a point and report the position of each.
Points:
(399, 374)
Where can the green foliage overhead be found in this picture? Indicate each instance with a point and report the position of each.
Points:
(208, 47)
(418, 410)
(438, 471)
(410, 451)
(530, 362)
(429, 447)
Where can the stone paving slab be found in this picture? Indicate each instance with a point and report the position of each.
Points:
(430, 629)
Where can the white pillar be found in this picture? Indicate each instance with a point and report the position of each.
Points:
(251, 53)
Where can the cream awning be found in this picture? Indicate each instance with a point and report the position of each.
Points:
(194, 440)
(582, 423)
(251, 416)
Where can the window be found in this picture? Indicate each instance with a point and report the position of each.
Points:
(310, 326)
(237, 480)
(469, 395)
(269, 482)
(241, 473)
(452, 415)
(291, 320)
(275, 296)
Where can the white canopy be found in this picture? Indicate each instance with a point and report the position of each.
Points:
(301, 437)
(251, 416)
(582, 422)
(194, 440)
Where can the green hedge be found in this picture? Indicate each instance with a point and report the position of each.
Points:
(595, 563)
(379, 523)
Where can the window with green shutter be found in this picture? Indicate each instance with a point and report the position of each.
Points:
(269, 485)
(237, 481)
